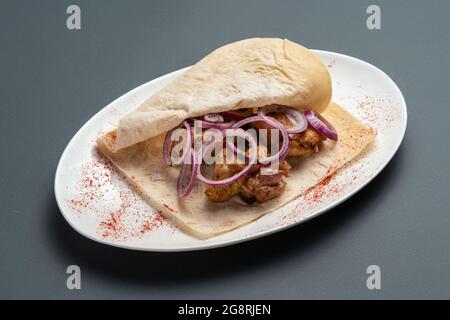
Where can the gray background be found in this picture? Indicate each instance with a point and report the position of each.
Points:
(53, 80)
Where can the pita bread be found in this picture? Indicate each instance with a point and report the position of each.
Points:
(143, 165)
(248, 73)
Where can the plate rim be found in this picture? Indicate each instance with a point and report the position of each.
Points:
(260, 234)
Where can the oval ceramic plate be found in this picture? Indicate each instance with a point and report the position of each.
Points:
(97, 202)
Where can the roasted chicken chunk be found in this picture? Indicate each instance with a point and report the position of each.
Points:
(261, 184)
(305, 143)
(263, 187)
(257, 186)
(220, 172)
(301, 144)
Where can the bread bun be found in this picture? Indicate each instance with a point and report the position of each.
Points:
(249, 73)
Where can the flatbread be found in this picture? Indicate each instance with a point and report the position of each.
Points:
(244, 74)
(143, 165)
(250, 73)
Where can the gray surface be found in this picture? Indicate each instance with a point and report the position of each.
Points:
(53, 80)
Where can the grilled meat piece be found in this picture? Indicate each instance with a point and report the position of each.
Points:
(301, 144)
(263, 187)
(225, 170)
(220, 172)
(285, 167)
(305, 143)
(282, 118)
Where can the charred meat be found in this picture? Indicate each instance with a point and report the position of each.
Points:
(262, 186)
(256, 187)
(305, 143)
(223, 193)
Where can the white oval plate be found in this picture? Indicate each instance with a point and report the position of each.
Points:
(96, 202)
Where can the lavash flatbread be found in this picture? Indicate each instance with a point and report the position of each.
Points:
(143, 165)
(245, 74)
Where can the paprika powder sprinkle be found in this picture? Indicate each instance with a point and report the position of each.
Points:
(121, 213)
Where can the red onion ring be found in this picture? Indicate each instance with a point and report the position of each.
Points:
(213, 117)
(168, 143)
(166, 146)
(212, 125)
(322, 125)
(184, 187)
(232, 132)
(282, 153)
(295, 116)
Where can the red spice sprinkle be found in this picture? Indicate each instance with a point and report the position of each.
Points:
(316, 193)
(120, 217)
(156, 221)
(378, 114)
(111, 227)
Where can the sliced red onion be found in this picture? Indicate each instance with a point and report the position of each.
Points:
(296, 117)
(220, 126)
(166, 146)
(281, 154)
(239, 133)
(214, 118)
(188, 175)
(168, 143)
(322, 125)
